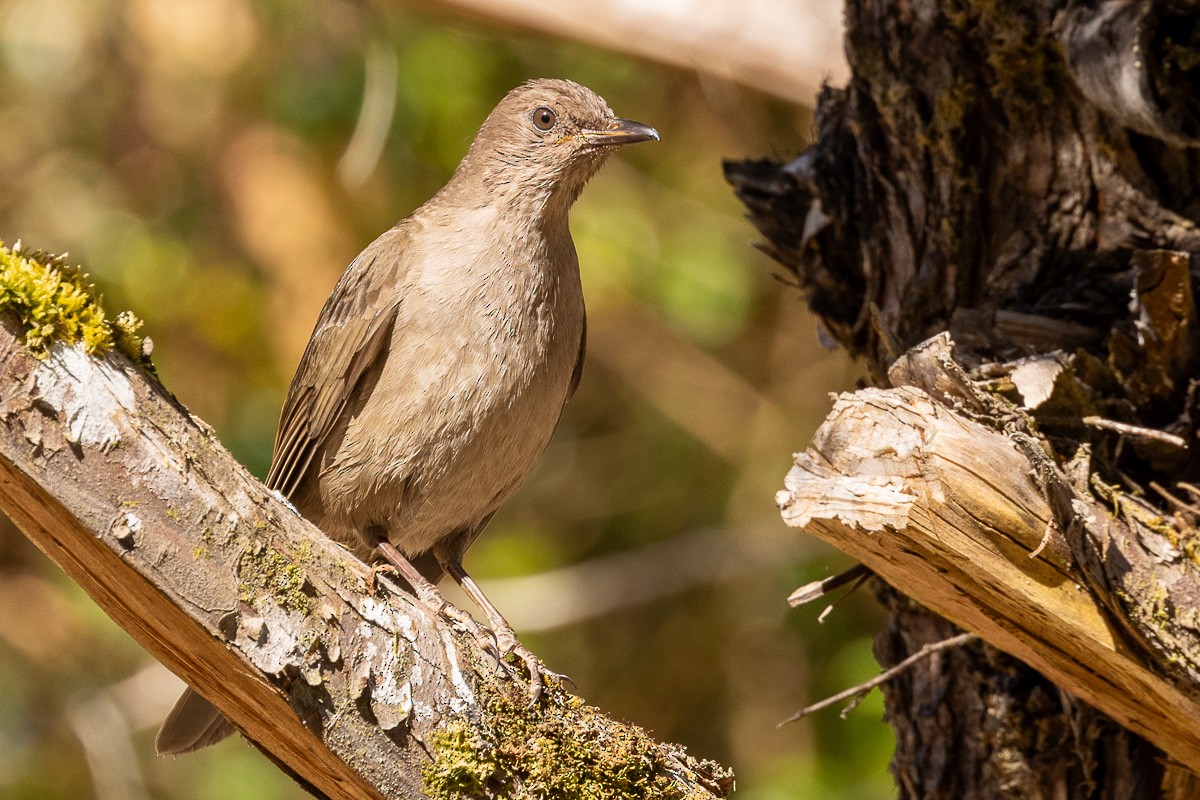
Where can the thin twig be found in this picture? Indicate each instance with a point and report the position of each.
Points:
(1135, 430)
(864, 688)
(1190, 488)
(825, 612)
(1178, 502)
(818, 589)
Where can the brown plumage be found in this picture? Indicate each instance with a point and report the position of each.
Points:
(439, 366)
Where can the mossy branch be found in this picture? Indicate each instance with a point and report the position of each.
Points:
(357, 691)
(55, 301)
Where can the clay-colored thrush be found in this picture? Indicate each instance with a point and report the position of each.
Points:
(441, 362)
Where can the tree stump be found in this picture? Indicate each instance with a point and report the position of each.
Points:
(1000, 217)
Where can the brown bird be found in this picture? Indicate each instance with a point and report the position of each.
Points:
(441, 362)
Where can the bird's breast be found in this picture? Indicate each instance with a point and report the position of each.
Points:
(469, 393)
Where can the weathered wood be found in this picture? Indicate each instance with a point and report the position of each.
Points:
(948, 511)
(350, 686)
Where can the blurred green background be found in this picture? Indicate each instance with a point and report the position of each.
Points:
(214, 164)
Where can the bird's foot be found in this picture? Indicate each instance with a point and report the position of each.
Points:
(539, 673)
(434, 601)
(486, 639)
(378, 570)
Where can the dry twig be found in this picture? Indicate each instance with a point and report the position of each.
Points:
(861, 690)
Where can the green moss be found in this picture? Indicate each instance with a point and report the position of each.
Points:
(55, 302)
(264, 572)
(1027, 71)
(945, 138)
(560, 748)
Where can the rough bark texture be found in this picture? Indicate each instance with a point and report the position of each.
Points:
(1023, 176)
(355, 689)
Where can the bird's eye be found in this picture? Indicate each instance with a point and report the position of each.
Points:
(544, 118)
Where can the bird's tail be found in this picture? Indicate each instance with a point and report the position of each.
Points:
(193, 723)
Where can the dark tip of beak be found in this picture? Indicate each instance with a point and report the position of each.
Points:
(621, 131)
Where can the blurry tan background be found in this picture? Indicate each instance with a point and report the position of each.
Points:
(214, 164)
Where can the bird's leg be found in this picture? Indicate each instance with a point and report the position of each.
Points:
(506, 638)
(431, 596)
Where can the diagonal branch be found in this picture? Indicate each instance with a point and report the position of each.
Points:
(787, 49)
(361, 694)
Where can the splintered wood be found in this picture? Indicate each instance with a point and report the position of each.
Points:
(951, 513)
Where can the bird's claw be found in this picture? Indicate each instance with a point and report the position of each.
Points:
(560, 677)
(378, 569)
(483, 636)
(537, 686)
(440, 606)
(538, 671)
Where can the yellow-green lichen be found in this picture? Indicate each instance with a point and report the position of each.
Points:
(1138, 512)
(265, 573)
(559, 748)
(54, 301)
(945, 138)
(1027, 71)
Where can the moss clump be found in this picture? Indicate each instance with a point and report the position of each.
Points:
(1026, 69)
(264, 572)
(55, 302)
(560, 748)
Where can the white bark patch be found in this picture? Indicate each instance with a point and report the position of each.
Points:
(382, 669)
(374, 611)
(278, 495)
(391, 699)
(90, 393)
(465, 697)
(275, 645)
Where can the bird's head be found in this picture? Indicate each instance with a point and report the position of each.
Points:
(545, 139)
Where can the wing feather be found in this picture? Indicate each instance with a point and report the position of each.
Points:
(352, 332)
(577, 372)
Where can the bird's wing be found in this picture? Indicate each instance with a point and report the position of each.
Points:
(351, 334)
(577, 373)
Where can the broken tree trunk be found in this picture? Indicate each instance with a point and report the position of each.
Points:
(1000, 216)
(356, 689)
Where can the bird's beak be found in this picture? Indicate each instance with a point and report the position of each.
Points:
(620, 131)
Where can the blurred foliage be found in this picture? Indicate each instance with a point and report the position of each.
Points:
(201, 160)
